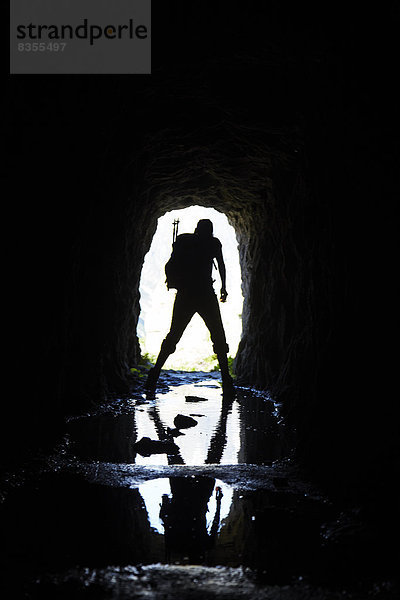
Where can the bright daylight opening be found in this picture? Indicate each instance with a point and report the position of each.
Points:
(194, 351)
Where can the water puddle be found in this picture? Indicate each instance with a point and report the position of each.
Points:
(153, 433)
(64, 521)
(163, 481)
(184, 479)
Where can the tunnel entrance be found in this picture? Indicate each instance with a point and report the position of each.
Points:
(194, 351)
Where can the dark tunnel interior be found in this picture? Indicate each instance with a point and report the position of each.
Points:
(284, 126)
(290, 156)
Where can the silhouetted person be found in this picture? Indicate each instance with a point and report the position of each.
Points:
(184, 517)
(195, 294)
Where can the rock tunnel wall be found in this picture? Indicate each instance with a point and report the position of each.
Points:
(94, 166)
(263, 191)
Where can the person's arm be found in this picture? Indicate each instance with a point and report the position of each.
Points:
(222, 273)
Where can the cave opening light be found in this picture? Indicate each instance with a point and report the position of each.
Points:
(194, 351)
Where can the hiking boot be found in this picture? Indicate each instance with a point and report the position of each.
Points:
(228, 389)
(151, 382)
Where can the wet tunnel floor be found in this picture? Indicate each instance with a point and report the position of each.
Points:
(182, 492)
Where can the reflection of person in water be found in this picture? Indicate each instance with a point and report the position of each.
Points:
(195, 294)
(217, 443)
(184, 518)
(184, 514)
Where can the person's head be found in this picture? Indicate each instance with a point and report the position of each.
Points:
(204, 228)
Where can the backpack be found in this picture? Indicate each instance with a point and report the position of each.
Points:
(180, 261)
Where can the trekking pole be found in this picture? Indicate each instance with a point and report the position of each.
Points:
(175, 231)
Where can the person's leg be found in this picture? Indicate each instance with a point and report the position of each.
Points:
(211, 315)
(182, 313)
